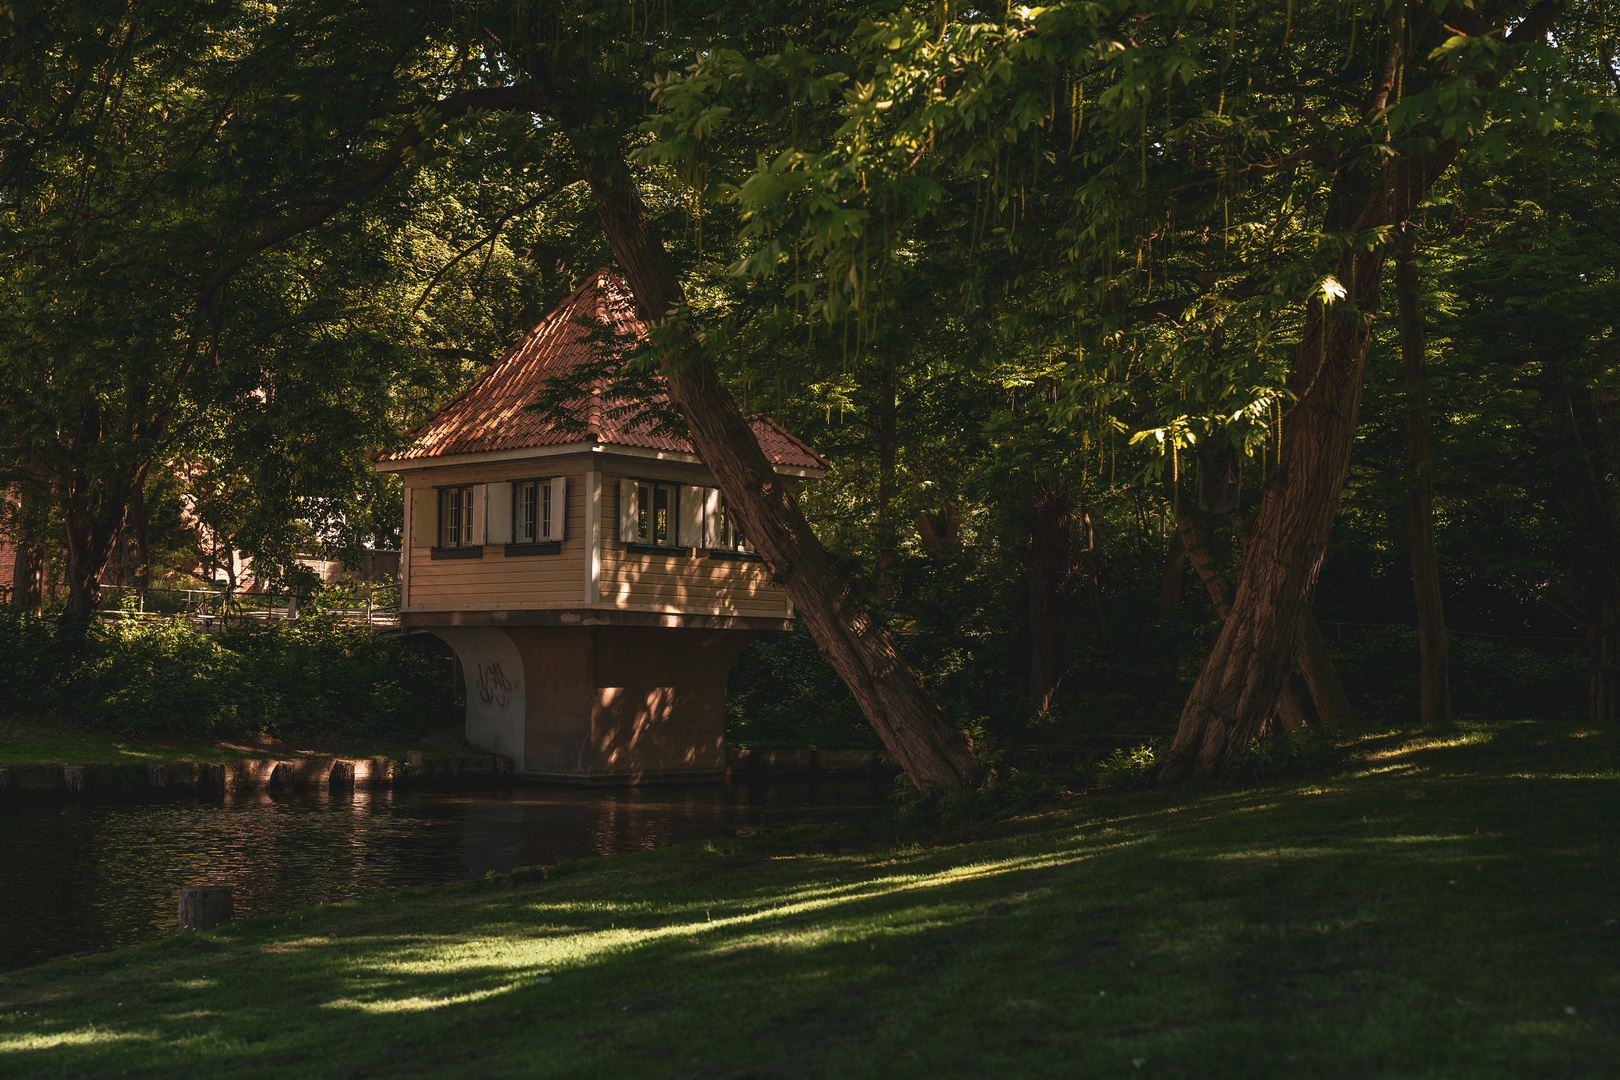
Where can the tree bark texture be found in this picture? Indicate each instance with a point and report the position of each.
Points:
(1253, 657)
(1239, 685)
(27, 521)
(1600, 655)
(1093, 582)
(1171, 574)
(1310, 695)
(1050, 572)
(143, 546)
(1321, 677)
(888, 454)
(93, 513)
(1434, 679)
(934, 754)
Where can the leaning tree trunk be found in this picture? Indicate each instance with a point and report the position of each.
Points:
(1252, 659)
(933, 752)
(1050, 572)
(1303, 701)
(1434, 681)
(1326, 688)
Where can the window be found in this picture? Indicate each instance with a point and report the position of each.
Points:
(727, 537)
(657, 514)
(656, 508)
(455, 517)
(531, 511)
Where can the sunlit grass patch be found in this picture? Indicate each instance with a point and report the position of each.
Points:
(1294, 928)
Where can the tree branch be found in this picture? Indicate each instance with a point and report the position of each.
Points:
(526, 97)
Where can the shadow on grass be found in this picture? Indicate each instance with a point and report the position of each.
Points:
(1454, 918)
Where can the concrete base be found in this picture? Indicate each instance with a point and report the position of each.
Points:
(599, 704)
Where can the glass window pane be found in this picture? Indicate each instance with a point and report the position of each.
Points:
(643, 513)
(660, 515)
(543, 508)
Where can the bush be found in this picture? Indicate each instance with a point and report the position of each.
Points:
(1284, 754)
(36, 666)
(1489, 677)
(308, 676)
(782, 694)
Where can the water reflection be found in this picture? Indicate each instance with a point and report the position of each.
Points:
(84, 877)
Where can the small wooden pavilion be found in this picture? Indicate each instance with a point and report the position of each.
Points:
(589, 582)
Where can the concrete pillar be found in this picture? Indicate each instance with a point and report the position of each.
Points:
(600, 704)
(493, 676)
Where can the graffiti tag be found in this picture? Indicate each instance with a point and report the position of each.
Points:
(494, 688)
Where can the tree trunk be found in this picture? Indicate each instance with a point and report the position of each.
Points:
(1326, 688)
(1050, 571)
(888, 446)
(28, 539)
(1170, 577)
(1434, 682)
(1093, 584)
(1311, 695)
(934, 754)
(1238, 688)
(143, 547)
(1294, 705)
(1600, 674)
(1253, 657)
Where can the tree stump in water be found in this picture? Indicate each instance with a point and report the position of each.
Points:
(203, 907)
(341, 778)
(211, 778)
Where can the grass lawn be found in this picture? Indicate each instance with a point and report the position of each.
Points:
(30, 742)
(1443, 906)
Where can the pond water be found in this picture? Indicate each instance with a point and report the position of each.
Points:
(82, 877)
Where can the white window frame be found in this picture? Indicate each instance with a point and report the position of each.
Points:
(548, 510)
(645, 512)
(531, 511)
(460, 503)
(724, 534)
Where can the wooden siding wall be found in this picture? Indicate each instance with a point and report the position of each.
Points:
(496, 581)
(680, 582)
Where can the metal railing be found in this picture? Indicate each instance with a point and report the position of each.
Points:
(210, 609)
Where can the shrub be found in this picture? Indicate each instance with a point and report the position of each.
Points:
(312, 675)
(36, 666)
(1283, 754)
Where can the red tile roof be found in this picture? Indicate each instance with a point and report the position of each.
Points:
(491, 414)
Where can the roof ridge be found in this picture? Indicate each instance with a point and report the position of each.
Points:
(493, 412)
(516, 347)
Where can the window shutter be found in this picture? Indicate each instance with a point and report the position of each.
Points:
(559, 506)
(711, 519)
(692, 503)
(478, 503)
(424, 518)
(498, 514)
(627, 511)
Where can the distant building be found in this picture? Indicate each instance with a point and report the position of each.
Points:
(591, 583)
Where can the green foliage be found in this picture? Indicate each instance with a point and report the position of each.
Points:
(36, 659)
(1283, 754)
(1125, 769)
(312, 675)
(1487, 677)
(783, 694)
